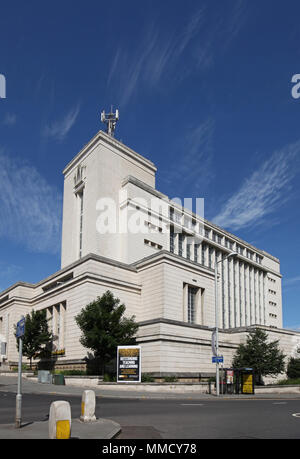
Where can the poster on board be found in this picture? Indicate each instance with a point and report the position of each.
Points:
(129, 364)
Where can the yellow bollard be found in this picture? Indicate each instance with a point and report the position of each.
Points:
(60, 420)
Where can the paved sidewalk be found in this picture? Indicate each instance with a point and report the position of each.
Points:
(98, 430)
(9, 384)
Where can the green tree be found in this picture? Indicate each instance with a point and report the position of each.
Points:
(293, 368)
(264, 357)
(37, 340)
(104, 328)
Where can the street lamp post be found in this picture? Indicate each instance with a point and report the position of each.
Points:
(230, 255)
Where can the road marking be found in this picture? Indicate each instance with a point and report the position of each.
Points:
(296, 415)
(279, 403)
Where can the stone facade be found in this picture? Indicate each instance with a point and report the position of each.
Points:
(159, 259)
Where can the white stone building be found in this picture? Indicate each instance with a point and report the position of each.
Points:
(120, 234)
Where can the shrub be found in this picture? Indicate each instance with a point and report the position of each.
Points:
(170, 379)
(293, 368)
(147, 378)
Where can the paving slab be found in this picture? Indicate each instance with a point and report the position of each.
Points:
(101, 429)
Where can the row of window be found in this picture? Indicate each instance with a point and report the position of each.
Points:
(152, 244)
(153, 227)
(216, 238)
(192, 306)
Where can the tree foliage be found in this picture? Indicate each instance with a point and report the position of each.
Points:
(293, 368)
(104, 328)
(37, 340)
(264, 357)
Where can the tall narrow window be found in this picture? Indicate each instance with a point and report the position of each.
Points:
(203, 248)
(188, 251)
(80, 196)
(172, 240)
(192, 292)
(210, 254)
(196, 248)
(180, 244)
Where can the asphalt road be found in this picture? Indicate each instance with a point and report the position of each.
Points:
(175, 418)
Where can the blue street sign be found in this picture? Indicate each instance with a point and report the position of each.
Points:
(20, 328)
(219, 359)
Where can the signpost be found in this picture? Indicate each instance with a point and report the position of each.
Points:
(19, 334)
(129, 364)
(218, 359)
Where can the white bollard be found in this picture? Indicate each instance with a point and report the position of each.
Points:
(60, 420)
(88, 405)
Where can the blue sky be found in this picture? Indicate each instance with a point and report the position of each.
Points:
(204, 91)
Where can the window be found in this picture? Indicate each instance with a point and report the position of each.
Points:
(274, 316)
(80, 196)
(196, 248)
(259, 259)
(172, 240)
(152, 244)
(192, 293)
(250, 254)
(210, 254)
(177, 217)
(203, 254)
(206, 233)
(239, 249)
(56, 316)
(187, 222)
(188, 251)
(228, 244)
(180, 244)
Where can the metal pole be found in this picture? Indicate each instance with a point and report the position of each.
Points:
(217, 329)
(19, 394)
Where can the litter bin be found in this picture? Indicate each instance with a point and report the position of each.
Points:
(59, 380)
(44, 376)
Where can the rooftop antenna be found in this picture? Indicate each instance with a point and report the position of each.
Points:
(110, 119)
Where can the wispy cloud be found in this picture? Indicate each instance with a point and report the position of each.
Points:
(264, 192)
(30, 208)
(292, 281)
(234, 22)
(158, 55)
(59, 129)
(194, 170)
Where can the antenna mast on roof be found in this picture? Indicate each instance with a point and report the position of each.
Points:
(110, 120)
